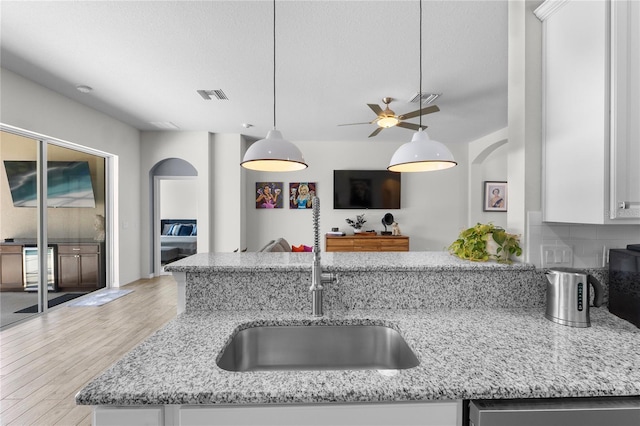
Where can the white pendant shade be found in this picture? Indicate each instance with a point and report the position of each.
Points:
(273, 154)
(421, 155)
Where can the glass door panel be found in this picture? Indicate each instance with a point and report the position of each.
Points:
(76, 221)
(18, 229)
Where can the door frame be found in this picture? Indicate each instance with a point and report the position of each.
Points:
(157, 181)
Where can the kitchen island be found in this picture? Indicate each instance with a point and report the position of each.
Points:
(465, 351)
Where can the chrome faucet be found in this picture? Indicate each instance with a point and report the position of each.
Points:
(318, 278)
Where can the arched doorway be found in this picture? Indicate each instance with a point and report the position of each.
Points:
(165, 245)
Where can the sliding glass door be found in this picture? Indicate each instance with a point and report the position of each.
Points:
(52, 225)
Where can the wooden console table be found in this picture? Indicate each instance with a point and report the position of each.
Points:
(366, 242)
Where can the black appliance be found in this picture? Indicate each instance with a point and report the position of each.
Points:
(624, 283)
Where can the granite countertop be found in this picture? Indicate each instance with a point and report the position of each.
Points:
(335, 262)
(463, 354)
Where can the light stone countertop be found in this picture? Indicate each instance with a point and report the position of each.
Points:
(336, 262)
(463, 354)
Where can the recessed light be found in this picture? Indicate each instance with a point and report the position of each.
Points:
(84, 89)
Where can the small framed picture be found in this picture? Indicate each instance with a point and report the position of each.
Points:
(301, 195)
(269, 195)
(495, 196)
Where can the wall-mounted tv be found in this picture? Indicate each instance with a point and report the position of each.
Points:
(366, 189)
(68, 183)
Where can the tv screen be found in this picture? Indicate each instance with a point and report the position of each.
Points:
(68, 183)
(366, 189)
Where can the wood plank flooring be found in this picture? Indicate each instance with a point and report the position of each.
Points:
(46, 360)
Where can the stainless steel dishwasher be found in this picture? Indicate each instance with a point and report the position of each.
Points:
(609, 411)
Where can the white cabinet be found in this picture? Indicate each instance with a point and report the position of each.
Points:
(591, 145)
(434, 413)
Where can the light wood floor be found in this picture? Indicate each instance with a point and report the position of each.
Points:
(46, 360)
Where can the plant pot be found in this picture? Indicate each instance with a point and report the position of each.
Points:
(358, 231)
(492, 249)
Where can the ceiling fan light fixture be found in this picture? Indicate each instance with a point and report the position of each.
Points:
(388, 121)
(422, 154)
(273, 154)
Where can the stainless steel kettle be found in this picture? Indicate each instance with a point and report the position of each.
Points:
(568, 296)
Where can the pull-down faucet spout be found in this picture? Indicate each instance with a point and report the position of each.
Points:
(317, 277)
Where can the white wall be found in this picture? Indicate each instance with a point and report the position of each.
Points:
(29, 106)
(178, 199)
(192, 147)
(227, 199)
(433, 205)
(524, 113)
(488, 158)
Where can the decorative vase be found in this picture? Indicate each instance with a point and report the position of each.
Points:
(357, 231)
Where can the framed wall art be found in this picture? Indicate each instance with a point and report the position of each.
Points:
(269, 195)
(495, 196)
(301, 194)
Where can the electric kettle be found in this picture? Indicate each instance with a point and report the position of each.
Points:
(568, 296)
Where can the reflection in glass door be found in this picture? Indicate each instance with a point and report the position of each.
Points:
(18, 229)
(76, 221)
(71, 214)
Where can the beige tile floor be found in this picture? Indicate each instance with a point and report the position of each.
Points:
(45, 360)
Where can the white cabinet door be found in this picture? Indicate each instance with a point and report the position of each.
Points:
(591, 150)
(392, 414)
(625, 109)
(576, 101)
(128, 416)
(433, 413)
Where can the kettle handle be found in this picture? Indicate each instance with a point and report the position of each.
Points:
(598, 297)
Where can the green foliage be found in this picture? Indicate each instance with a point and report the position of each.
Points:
(357, 224)
(472, 244)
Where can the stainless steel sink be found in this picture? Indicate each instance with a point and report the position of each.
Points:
(317, 347)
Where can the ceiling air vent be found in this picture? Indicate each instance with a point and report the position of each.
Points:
(165, 125)
(207, 95)
(427, 98)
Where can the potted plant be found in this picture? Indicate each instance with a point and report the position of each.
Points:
(486, 242)
(356, 224)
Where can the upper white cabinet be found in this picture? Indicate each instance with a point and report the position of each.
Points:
(591, 136)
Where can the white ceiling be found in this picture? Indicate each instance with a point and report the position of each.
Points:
(146, 59)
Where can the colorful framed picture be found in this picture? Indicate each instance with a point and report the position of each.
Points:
(495, 196)
(301, 194)
(269, 195)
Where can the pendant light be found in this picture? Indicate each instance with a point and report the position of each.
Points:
(422, 154)
(273, 153)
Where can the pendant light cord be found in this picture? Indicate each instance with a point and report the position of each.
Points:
(420, 94)
(274, 64)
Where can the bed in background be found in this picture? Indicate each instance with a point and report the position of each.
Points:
(178, 239)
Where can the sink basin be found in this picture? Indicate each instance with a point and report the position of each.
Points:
(317, 347)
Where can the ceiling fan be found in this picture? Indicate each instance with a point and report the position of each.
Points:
(387, 118)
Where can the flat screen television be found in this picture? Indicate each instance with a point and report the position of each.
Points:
(68, 183)
(366, 189)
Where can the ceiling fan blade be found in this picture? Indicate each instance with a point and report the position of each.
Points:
(376, 108)
(354, 124)
(375, 132)
(416, 113)
(411, 126)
